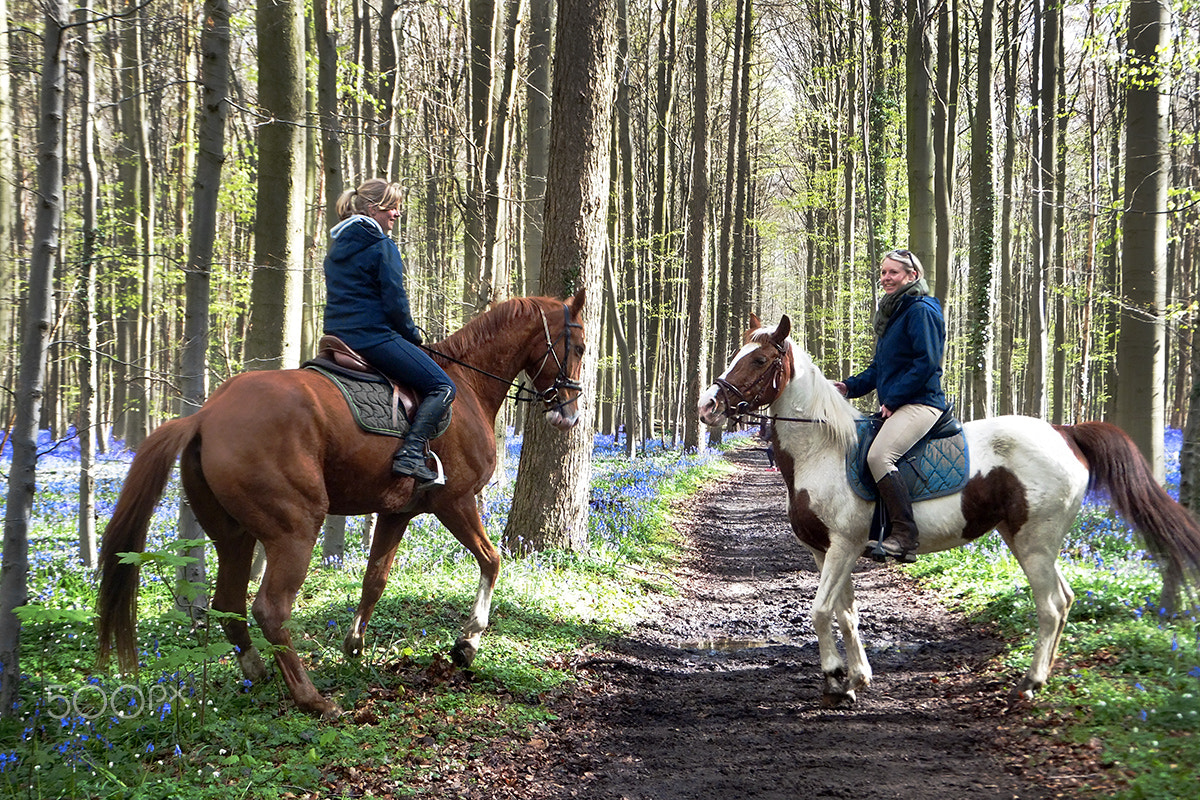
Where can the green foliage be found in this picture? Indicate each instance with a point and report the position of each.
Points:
(1126, 676)
(188, 725)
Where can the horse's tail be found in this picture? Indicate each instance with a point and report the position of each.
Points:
(126, 532)
(1169, 530)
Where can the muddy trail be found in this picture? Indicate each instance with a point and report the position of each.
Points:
(717, 693)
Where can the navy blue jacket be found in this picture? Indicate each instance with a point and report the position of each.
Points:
(365, 300)
(907, 367)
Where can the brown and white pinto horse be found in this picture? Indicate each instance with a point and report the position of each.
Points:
(271, 453)
(1028, 480)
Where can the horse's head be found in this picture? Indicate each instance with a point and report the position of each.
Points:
(556, 361)
(756, 375)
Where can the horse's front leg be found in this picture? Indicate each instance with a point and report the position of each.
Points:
(462, 519)
(835, 597)
(388, 533)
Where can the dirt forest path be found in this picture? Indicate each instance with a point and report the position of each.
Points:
(717, 694)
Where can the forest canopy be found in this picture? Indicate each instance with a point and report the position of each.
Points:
(991, 137)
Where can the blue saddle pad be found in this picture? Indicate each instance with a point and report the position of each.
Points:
(370, 400)
(936, 466)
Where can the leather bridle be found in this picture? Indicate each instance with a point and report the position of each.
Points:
(562, 381)
(770, 377)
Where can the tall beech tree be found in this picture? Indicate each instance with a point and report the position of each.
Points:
(38, 318)
(697, 245)
(550, 498)
(1140, 349)
(273, 340)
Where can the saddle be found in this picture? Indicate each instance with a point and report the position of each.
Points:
(379, 404)
(936, 466)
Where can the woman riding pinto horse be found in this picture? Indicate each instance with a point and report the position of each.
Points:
(1027, 481)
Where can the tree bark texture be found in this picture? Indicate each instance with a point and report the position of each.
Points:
(550, 499)
(273, 341)
(38, 316)
(1140, 348)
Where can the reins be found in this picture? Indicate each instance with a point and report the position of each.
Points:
(739, 415)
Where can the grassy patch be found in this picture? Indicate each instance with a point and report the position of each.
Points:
(188, 725)
(1127, 678)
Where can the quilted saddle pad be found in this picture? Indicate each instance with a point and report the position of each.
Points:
(936, 466)
(370, 400)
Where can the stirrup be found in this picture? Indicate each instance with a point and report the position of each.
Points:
(890, 548)
(417, 468)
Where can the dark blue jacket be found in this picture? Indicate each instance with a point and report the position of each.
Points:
(907, 367)
(365, 300)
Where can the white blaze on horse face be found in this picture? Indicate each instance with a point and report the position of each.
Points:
(711, 413)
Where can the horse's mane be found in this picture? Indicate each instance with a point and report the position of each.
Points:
(810, 395)
(490, 325)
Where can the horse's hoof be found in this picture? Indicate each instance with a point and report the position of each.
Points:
(463, 654)
(352, 646)
(1020, 695)
(837, 699)
(253, 667)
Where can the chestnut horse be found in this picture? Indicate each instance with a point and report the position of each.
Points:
(1027, 480)
(271, 453)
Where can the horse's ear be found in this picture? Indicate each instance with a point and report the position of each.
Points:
(755, 322)
(783, 328)
(576, 302)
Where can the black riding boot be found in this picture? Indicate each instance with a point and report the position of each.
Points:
(411, 459)
(901, 543)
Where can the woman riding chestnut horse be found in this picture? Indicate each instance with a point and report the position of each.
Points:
(272, 453)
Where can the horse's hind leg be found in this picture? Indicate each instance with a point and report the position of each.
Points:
(1036, 549)
(235, 550)
(235, 554)
(287, 566)
(388, 534)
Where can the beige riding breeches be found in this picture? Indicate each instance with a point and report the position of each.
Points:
(899, 432)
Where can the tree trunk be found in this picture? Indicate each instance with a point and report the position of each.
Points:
(39, 314)
(1144, 226)
(130, 397)
(697, 268)
(877, 146)
(725, 323)
(327, 107)
(8, 201)
(919, 148)
(388, 118)
(210, 156)
(660, 248)
(483, 48)
(627, 326)
(273, 341)
(982, 228)
(494, 278)
(89, 342)
(945, 117)
(550, 499)
(1007, 305)
(537, 140)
